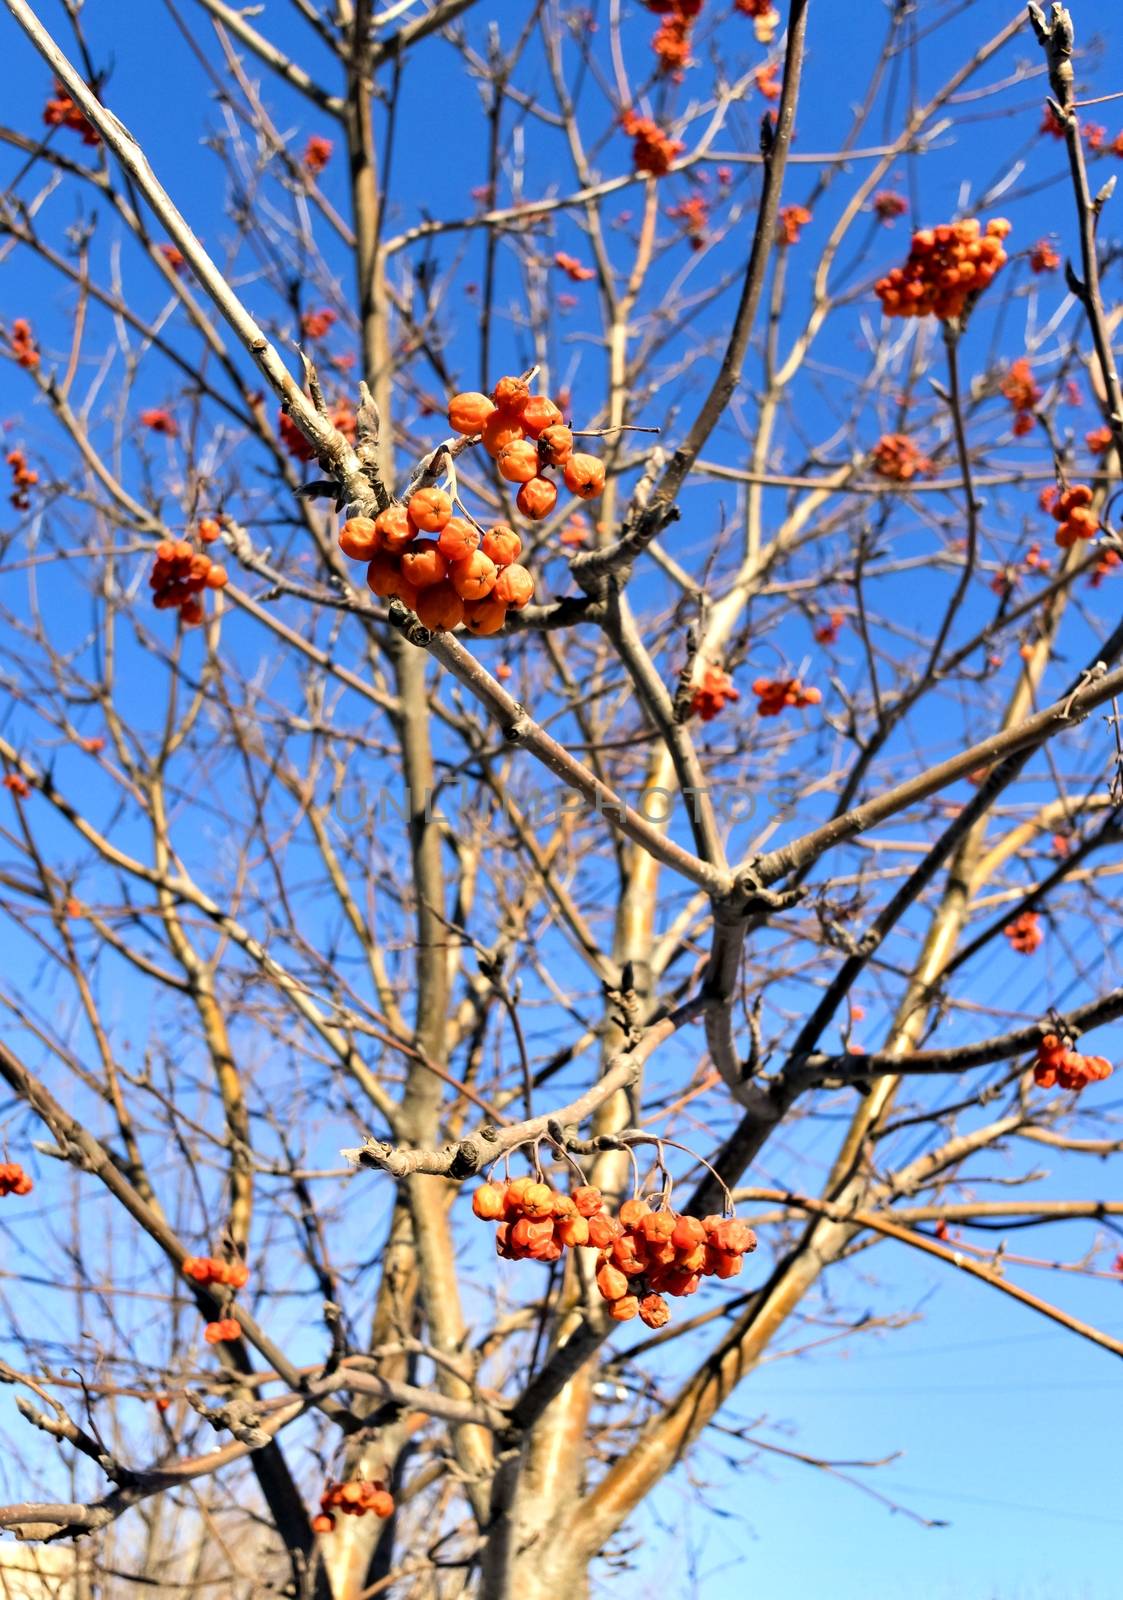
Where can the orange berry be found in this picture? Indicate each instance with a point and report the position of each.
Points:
(359, 539)
(688, 1232)
(537, 498)
(394, 529)
(474, 577)
(439, 606)
(538, 1200)
(429, 509)
(584, 476)
(487, 1202)
(555, 444)
(209, 530)
(654, 1311)
(381, 1503)
(518, 461)
(458, 538)
(538, 413)
(511, 395)
(484, 617)
(217, 577)
(502, 545)
(384, 575)
(323, 1522)
(588, 1200)
(514, 586)
(572, 1231)
(611, 1282)
(633, 1212)
(423, 564)
(603, 1229)
(500, 430)
(624, 1309)
(468, 412)
(192, 612)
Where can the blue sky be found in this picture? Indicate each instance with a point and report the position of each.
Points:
(1008, 1426)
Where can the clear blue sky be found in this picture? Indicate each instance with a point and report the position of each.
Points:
(1008, 1428)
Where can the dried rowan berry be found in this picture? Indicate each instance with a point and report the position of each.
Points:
(468, 412)
(538, 414)
(654, 1311)
(458, 538)
(474, 577)
(395, 530)
(322, 1522)
(500, 430)
(584, 476)
(487, 1202)
(587, 1200)
(429, 509)
(624, 1309)
(537, 498)
(501, 545)
(511, 395)
(423, 564)
(439, 607)
(484, 617)
(611, 1282)
(514, 586)
(518, 461)
(555, 445)
(572, 1231)
(359, 538)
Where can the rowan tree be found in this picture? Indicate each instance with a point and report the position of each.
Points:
(560, 650)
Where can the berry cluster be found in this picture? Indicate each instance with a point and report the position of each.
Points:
(694, 213)
(16, 784)
(317, 154)
(1044, 257)
(888, 206)
(1025, 933)
(661, 1252)
(174, 258)
(354, 1499)
(946, 267)
(159, 420)
(828, 632)
(573, 268)
(1072, 510)
(793, 219)
(1104, 567)
(895, 456)
(1098, 441)
(1058, 1063)
(653, 151)
(766, 19)
(644, 1254)
(222, 1331)
(461, 576)
(1023, 393)
(13, 1179)
(22, 342)
(179, 576)
(671, 43)
(776, 694)
(710, 696)
(318, 324)
(208, 1270)
(23, 479)
(767, 80)
(61, 112)
(526, 437)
